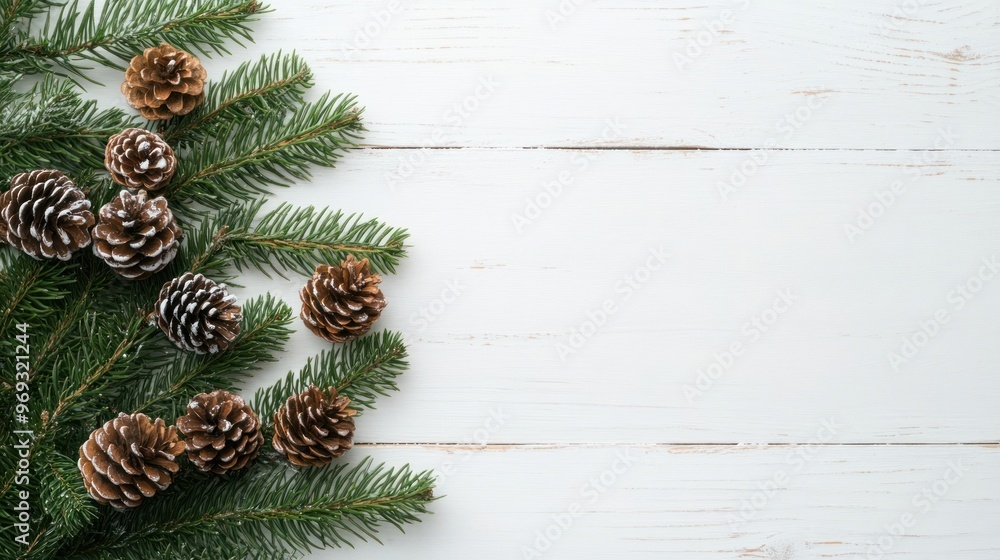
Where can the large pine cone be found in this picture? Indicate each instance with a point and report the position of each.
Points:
(137, 237)
(45, 215)
(164, 82)
(128, 459)
(140, 159)
(340, 303)
(197, 314)
(314, 427)
(223, 432)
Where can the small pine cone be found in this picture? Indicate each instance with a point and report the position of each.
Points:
(197, 314)
(340, 303)
(140, 159)
(45, 215)
(313, 427)
(128, 459)
(223, 432)
(136, 236)
(164, 82)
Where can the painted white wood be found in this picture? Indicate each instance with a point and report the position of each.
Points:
(496, 346)
(881, 86)
(825, 74)
(697, 503)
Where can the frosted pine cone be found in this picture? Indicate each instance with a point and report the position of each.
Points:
(45, 215)
(164, 82)
(340, 303)
(222, 431)
(129, 459)
(136, 236)
(314, 427)
(140, 159)
(197, 314)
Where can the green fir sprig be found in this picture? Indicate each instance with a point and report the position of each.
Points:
(94, 349)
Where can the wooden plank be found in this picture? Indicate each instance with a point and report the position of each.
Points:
(827, 74)
(702, 503)
(495, 348)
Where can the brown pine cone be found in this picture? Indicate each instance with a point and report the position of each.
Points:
(340, 303)
(140, 159)
(45, 215)
(197, 314)
(128, 459)
(313, 427)
(135, 236)
(223, 432)
(164, 82)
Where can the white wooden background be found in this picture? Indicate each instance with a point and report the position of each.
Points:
(736, 143)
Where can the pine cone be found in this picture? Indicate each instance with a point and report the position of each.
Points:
(45, 215)
(128, 459)
(223, 433)
(140, 159)
(197, 314)
(136, 237)
(340, 303)
(164, 82)
(313, 428)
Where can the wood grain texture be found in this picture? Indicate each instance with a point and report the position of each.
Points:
(720, 503)
(826, 74)
(520, 296)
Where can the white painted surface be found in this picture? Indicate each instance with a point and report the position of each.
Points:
(895, 70)
(695, 503)
(879, 89)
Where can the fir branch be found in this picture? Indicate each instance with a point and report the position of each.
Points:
(13, 10)
(247, 157)
(102, 363)
(275, 83)
(166, 393)
(290, 238)
(63, 497)
(80, 301)
(120, 29)
(273, 509)
(362, 369)
(51, 126)
(29, 288)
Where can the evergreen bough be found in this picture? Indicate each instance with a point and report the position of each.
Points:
(93, 352)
